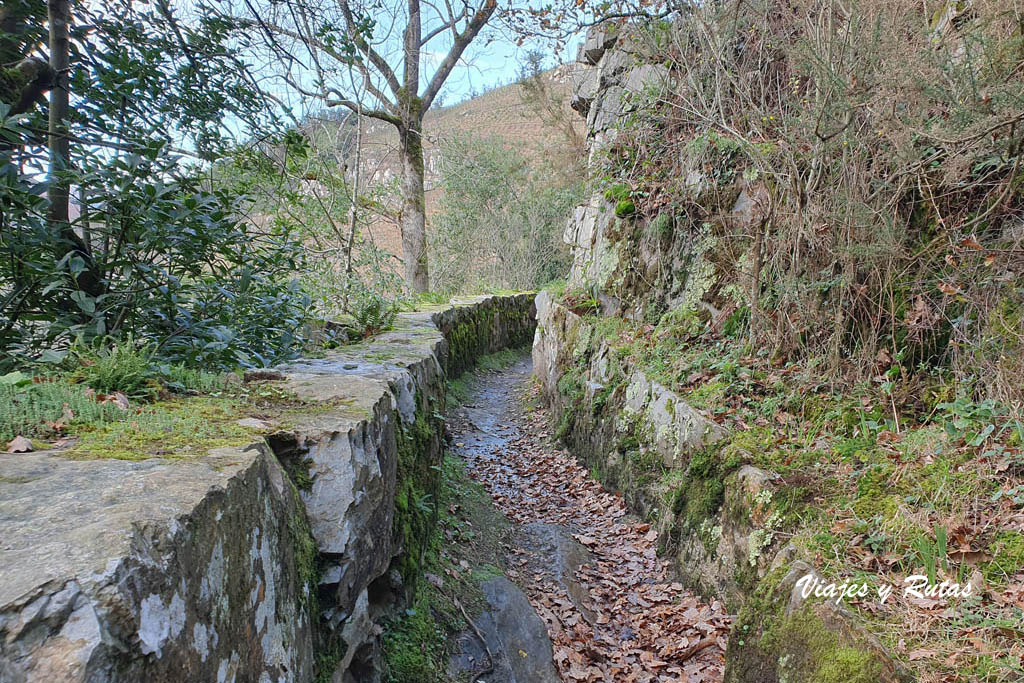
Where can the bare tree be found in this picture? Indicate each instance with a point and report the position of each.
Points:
(313, 43)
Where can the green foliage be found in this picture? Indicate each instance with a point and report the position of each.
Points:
(1007, 551)
(974, 422)
(184, 380)
(31, 409)
(156, 253)
(501, 219)
(617, 193)
(412, 645)
(172, 429)
(298, 179)
(75, 394)
(121, 366)
(625, 208)
(418, 483)
(933, 554)
(373, 314)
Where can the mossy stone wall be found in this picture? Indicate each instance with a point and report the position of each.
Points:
(718, 518)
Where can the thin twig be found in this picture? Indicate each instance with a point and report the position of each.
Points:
(483, 641)
(701, 644)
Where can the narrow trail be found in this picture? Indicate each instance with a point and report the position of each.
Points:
(613, 611)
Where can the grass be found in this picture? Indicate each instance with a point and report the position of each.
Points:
(892, 481)
(464, 551)
(94, 387)
(188, 412)
(174, 428)
(32, 410)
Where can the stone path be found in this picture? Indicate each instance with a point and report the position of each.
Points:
(590, 569)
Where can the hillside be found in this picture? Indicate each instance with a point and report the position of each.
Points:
(505, 113)
(791, 333)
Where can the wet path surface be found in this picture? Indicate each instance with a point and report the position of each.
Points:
(589, 569)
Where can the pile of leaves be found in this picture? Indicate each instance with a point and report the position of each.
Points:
(637, 624)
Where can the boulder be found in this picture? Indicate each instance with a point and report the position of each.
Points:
(584, 90)
(155, 570)
(516, 637)
(647, 78)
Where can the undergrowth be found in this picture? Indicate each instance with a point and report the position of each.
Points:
(460, 555)
(879, 480)
(842, 187)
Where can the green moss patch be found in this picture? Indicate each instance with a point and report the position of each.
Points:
(465, 549)
(766, 644)
(416, 495)
(179, 428)
(1007, 551)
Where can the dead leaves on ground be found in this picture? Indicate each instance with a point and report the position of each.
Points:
(636, 625)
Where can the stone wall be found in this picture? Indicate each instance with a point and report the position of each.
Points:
(717, 523)
(717, 518)
(630, 430)
(269, 563)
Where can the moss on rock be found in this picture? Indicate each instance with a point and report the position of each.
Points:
(776, 640)
(417, 486)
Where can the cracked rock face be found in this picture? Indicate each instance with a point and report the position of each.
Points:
(152, 570)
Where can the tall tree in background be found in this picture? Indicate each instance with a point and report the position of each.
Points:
(313, 45)
(58, 17)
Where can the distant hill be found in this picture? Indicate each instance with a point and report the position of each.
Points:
(504, 112)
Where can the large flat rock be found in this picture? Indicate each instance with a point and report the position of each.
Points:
(154, 570)
(65, 519)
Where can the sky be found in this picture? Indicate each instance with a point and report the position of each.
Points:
(491, 60)
(489, 64)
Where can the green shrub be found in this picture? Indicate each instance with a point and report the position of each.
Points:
(501, 218)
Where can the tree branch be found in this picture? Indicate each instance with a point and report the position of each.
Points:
(442, 28)
(372, 113)
(462, 41)
(378, 62)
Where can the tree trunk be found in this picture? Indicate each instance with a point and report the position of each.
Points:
(59, 191)
(414, 231)
(59, 17)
